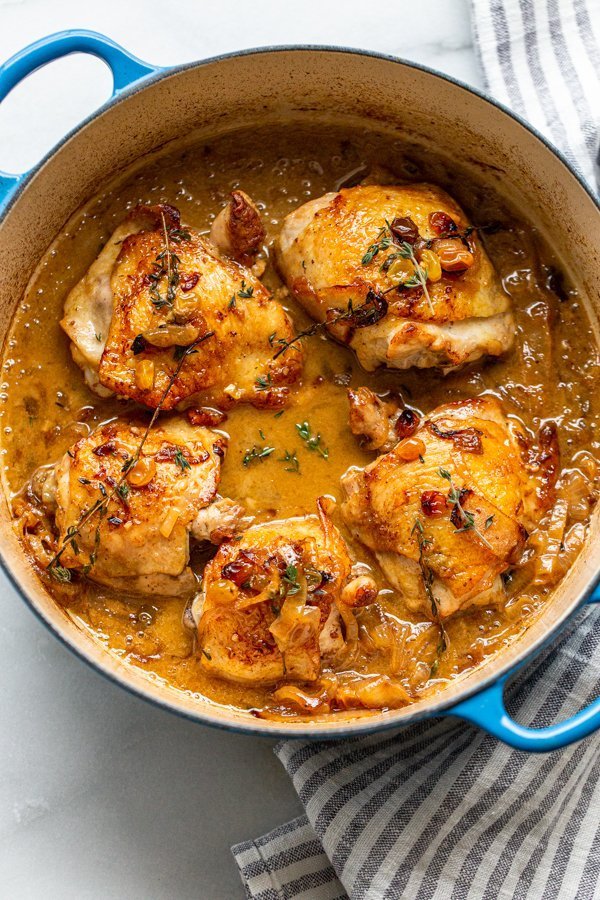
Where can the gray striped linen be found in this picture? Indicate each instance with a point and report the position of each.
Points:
(439, 809)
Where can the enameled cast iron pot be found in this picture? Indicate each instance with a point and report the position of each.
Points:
(149, 108)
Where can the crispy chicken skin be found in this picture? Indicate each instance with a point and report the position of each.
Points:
(140, 541)
(274, 604)
(157, 289)
(448, 510)
(321, 252)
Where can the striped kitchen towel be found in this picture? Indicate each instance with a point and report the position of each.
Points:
(439, 809)
(542, 59)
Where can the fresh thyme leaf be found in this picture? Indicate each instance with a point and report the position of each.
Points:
(272, 337)
(206, 653)
(181, 461)
(382, 242)
(312, 441)
(128, 464)
(293, 463)
(386, 239)
(166, 266)
(461, 518)
(423, 543)
(59, 573)
(246, 291)
(123, 490)
(255, 454)
(290, 577)
(263, 382)
(231, 303)
(279, 414)
(98, 337)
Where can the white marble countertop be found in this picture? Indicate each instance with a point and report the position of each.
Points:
(101, 794)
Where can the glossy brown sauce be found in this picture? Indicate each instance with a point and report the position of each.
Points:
(552, 373)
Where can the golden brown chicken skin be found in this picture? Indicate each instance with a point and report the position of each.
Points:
(413, 246)
(125, 516)
(277, 603)
(163, 318)
(448, 510)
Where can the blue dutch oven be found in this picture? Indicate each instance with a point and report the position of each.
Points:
(152, 106)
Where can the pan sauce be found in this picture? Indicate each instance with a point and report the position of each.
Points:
(552, 374)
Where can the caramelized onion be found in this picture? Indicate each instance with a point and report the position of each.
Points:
(467, 439)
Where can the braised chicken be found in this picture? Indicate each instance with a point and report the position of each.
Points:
(277, 603)
(163, 318)
(412, 247)
(125, 515)
(448, 510)
(379, 423)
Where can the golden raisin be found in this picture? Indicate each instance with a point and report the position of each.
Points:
(410, 449)
(430, 261)
(453, 255)
(142, 472)
(401, 270)
(442, 223)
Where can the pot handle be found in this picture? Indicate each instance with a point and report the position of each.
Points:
(487, 710)
(126, 70)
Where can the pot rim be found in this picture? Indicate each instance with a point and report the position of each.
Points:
(267, 728)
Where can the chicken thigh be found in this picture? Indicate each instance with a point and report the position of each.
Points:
(412, 247)
(448, 510)
(125, 515)
(277, 603)
(162, 317)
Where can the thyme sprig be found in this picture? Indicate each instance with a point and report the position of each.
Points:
(423, 542)
(419, 279)
(386, 239)
(264, 382)
(120, 489)
(181, 461)
(466, 518)
(312, 441)
(166, 265)
(291, 460)
(382, 242)
(256, 454)
(290, 578)
(368, 313)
